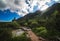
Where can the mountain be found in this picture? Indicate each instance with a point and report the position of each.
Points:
(48, 12)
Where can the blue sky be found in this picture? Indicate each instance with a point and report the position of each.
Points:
(8, 16)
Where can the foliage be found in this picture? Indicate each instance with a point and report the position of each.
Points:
(22, 37)
(5, 34)
(46, 25)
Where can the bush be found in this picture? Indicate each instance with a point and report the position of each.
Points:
(5, 34)
(21, 38)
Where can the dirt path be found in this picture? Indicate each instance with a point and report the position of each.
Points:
(32, 35)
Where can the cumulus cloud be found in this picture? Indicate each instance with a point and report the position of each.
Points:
(23, 7)
(2, 4)
(58, 1)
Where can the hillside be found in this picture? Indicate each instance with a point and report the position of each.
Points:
(46, 25)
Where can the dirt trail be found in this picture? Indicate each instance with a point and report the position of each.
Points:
(32, 35)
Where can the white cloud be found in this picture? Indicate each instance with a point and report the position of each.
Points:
(23, 7)
(58, 1)
(44, 7)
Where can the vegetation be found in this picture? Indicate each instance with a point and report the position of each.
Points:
(46, 25)
(22, 37)
(5, 34)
